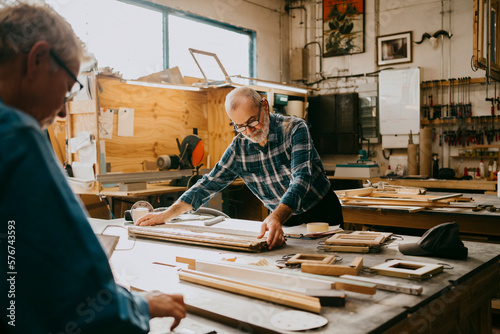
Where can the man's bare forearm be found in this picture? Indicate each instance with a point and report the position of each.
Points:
(178, 208)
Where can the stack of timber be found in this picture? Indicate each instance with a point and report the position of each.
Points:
(369, 196)
(298, 281)
(202, 236)
(268, 284)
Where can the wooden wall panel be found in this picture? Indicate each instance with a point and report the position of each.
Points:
(221, 132)
(160, 116)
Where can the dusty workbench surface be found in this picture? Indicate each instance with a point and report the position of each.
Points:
(361, 314)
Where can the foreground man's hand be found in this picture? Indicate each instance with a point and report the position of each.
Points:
(164, 305)
(276, 237)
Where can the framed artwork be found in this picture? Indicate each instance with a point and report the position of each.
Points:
(394, 49)
(343, 27)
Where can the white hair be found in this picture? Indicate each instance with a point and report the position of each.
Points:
(22, 25)
(236, 96)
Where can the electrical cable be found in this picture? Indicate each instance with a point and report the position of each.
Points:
(383, 154)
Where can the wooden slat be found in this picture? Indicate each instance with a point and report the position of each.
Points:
(358, 192)
(290, 299)
(444, 197)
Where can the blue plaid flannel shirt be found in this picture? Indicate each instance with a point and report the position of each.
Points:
(286, 170)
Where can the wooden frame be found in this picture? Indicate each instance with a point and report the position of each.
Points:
(407, 269)
(343, 27)
(394, 49)
(202, 236)
(480, 37)
(355, 240)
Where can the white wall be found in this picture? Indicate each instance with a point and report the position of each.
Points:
(395, 16)
(266, 17)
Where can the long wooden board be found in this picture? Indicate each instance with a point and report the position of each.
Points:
(288, 298)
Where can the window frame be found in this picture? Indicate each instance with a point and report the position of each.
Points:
(167, 11)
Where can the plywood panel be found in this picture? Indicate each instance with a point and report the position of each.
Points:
(161, 116)
(220, 130)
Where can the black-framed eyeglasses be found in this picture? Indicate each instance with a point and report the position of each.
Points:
(252, 124)
(76, 88)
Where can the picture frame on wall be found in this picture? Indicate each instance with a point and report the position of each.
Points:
(394, 49)
(343, 27)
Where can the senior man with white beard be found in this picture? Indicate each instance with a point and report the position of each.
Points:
(275, 157)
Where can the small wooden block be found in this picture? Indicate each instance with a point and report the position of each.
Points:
(190, 262)
(407, 269)
(333, 270)
(311, 258)
(328, 297)
(132, 186)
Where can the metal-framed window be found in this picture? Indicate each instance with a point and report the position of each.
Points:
(137, 37)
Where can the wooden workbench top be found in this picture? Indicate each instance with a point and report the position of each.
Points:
(479, 185)
(361, 314)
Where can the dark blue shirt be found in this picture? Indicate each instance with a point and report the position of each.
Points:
(57, 278)
(286, 170)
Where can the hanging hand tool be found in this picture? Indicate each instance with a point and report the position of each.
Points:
(469, 104)
(452, 105)
(430, 96)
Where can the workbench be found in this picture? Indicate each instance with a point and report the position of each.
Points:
(480, 223)
(456, 297)
(480, 186)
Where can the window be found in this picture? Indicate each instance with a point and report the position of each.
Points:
(138, 38)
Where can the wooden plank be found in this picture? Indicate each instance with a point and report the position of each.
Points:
(219, 124)
(283, 297)
(410, 289)
(200, 235)
(403, 202)
(444, 197)
(160, 116)
(359, 192)
(271, 276)
(263, 276)
(333, 270)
